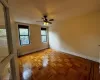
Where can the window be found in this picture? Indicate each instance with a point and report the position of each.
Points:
(3, 37)
(24, 35)
(44, 34)
(2, 32)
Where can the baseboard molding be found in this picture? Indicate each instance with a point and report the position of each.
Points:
(72, 53)
(35, 50)
(82, 56)
(85, 57)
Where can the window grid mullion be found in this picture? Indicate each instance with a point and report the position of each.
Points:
(24, 35)
(43, 35)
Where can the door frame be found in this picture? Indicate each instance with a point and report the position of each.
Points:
(12, 57)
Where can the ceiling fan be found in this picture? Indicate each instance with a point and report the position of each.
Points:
(46, 21)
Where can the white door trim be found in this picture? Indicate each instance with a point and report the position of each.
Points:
(5, 62)
(12, 58)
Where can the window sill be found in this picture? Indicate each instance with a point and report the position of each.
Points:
(25, 45)
(44, 42)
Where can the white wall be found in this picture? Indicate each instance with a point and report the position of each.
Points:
(78, 36)
(35, 40)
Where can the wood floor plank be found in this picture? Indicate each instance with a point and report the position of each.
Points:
(96, 71)
(53, 65)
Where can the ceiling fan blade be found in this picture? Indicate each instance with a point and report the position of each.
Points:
(51, 19)
(39, 21)
(50, 22)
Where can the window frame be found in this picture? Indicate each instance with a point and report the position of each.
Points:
(23, 27)
(44, 35)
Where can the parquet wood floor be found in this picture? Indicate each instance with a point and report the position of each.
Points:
(52, 65)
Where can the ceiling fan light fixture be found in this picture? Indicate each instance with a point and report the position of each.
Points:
(45, 23)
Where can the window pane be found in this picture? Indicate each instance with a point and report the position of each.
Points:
(44, 39)
(3, 38)
(2, 32)
(23, 31)
(24, 40)
(43, 32)
(3, 42)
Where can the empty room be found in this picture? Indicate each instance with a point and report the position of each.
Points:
(49, 39)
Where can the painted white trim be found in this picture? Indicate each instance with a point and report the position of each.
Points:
(4, 2)
(72, 53)
(82, 56)
(86, 57)
(79, 55)
(21, 54)
(6, 61)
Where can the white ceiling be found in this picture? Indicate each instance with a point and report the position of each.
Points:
(30, 11)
